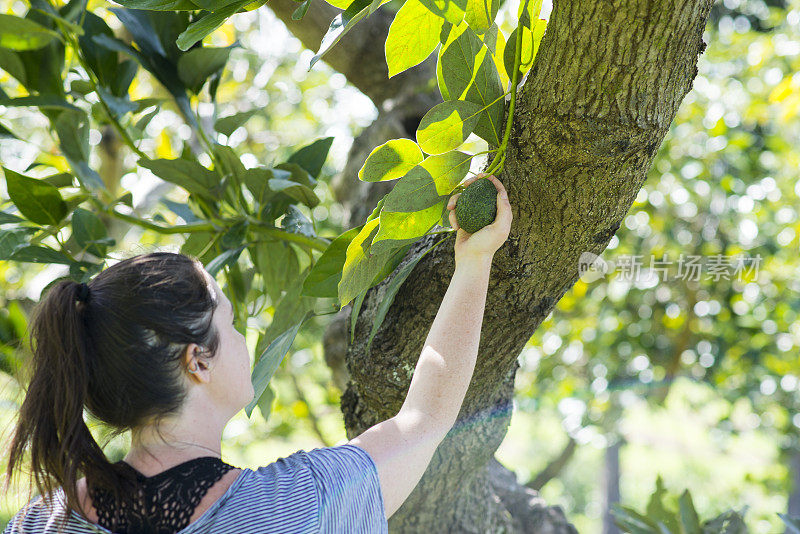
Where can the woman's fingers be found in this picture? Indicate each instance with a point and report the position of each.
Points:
(453, 221)
(497, 183)
(451, 204)
(504, 215)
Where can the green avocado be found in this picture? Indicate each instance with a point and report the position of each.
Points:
(476, 207)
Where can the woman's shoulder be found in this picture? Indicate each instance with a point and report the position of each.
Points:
(326, 489)
(45, 515)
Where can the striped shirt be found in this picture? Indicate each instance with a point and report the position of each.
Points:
(326, 490)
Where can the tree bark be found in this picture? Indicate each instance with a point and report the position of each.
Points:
(605, 86)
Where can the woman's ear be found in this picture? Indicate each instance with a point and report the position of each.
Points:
(194, 365)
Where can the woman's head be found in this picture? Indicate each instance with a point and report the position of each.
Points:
(155, 331)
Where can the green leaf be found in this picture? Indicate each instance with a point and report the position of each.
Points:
(12, 64)
(12, 239)
(528, 11)
(196, 65)
(290, 309)
(392, 289)
(5, 132)
(44, 66)
(45, 102)
(300, 12)
(269, 361)
(235, 235)
(400, 228)
(73, 134)
(89, 232)
(297, 174)
(197, 30)
(299, 192)
(425, 184)
(277, 264)
(689, 519)
(632, 521)
(189, 175)
(323, 279)
(530, 47)
(390, 160)
(340, 4)
(227, 125)
(413, 35)
(201, 246)
(72, 127)
(62, 179)
(450, 10)
(312, 157)
(6, 218)
(495, 41)
(159, 5)
(458, 58)
(17, 33)
(396, 256)
(226, 258)
(265, 402)
(102, 61)
(469, 73)
(294, 221)
(657, 509)
(480, 14)
(728, 522)
(119, 105)
(340, 25)
(446, 125)
(39, 254)
(257, 182)
(36, 200)
(360, 268)
(73, 9)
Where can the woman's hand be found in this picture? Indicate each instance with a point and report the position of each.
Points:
(485, 242)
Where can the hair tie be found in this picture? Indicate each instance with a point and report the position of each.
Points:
(83, 292)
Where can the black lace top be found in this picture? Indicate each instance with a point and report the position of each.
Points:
(165, 502)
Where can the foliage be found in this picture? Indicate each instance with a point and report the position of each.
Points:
(663, 517)
(233, 208)
(721, 187)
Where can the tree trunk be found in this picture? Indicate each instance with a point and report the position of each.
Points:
(793, 508)
(605, 86)
(611, 486)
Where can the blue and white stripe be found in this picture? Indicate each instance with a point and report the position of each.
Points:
(327, 490)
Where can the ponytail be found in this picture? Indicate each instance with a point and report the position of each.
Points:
(51, 423)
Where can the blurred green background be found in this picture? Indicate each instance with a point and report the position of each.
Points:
(695, 380)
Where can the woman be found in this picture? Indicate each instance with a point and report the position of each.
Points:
(150, 347)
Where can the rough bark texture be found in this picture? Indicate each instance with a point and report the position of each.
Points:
(608, 79)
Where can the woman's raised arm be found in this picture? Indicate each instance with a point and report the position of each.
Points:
(403, 446)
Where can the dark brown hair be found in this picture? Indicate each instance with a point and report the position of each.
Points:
(118, 355)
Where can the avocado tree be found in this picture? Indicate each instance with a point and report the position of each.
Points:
(571, 117)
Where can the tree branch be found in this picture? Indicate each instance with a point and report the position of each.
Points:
(605, 86)
(359, 55)
(555, 466)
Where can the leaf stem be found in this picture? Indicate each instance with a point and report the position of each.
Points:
(499, 158)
